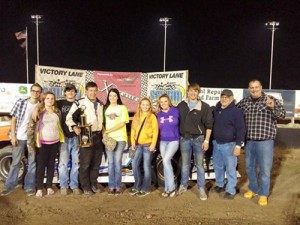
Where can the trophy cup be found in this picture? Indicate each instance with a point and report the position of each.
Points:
(85, 137)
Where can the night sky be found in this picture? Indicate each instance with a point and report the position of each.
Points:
(221, 43)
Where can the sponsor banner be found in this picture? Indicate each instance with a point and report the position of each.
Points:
(54, 79)
(10, 93)
(212, 95)
(128, 83)
(173, 83)
(286, 98)
(297, 104)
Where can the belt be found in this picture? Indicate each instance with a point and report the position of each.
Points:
(192, 136)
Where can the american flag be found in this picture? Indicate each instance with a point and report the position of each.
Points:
(21, 35)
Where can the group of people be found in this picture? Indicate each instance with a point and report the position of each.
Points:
(50, 127)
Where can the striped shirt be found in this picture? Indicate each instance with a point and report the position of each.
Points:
(18, 110)
(261, 121)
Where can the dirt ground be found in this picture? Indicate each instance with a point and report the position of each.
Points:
(283, 207)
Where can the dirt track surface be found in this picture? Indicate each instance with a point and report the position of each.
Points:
(283, 208)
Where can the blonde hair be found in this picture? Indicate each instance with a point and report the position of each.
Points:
(164, 96)
(195, 87)
(139, 112)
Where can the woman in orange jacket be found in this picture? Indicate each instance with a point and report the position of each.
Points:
(144, 133)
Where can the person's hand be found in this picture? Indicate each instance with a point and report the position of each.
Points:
(77, 130)
(152, 149)
(205, 146)
(237, 151)
(270, 102)
(133, 147)
(14, 141)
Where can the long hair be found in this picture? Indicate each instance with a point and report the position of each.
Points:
(44, 95)
(119, 101)
(164, 96)
(139, 112)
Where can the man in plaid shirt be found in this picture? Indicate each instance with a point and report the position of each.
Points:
(261, 114)
(21, 113)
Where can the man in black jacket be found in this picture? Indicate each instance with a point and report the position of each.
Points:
(196, 124)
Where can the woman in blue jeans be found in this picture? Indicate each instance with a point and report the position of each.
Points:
(144, 133)
(116, 117)
(168, 121)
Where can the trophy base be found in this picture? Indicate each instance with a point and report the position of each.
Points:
(85, 146)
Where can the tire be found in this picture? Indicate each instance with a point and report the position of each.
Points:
(5, 162)
(160, 170)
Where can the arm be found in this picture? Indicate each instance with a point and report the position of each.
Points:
(13, 140)
(240, 130)
(114, 128)
(36, 111)
(70, 119)
(132, 134)
(154, 125)
(205, 144)
(208, 123)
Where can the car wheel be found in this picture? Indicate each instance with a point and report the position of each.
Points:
(5, 162)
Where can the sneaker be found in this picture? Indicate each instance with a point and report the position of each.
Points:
(263, 200)
(165, 194)
(64, 191)
(133, 191)
(181, 190)
(172, 193)
(88, 193)
(202, 194)
(39, 194)
(218, 189)
(30, 192)
(50, 191)
(111, 192)
(6, 192)
(95, 189)
(143, 193)
(228, 196)
(249, 194)
(76, 191)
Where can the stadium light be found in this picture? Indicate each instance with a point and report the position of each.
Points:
(164, 22)
(272, 26)
(37, 21)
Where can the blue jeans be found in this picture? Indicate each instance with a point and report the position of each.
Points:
(142, 152)
(67, 150)
(167, 151)
(115, 165)
(12, 179)
(187, 147)
(259, 157)
(225, 162)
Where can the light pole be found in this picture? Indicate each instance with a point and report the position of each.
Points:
(164, 22)
(37, 22)
(272, 26)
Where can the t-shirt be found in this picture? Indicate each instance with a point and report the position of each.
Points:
(168, 123)
(50, 130)
(113, 116)
(22, 130)
(65, 106)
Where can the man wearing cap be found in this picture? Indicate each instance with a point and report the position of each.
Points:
(228, 135)
(261, 114)
(69, 149)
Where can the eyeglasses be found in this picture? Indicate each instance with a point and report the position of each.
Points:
(34, 91)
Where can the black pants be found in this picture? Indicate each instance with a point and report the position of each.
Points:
(89, 162)
(45, 157)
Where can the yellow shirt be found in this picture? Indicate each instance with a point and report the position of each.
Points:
(113, 116)
(149, 132)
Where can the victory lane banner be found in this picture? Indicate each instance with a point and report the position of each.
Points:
(55, 79)
(173, 83)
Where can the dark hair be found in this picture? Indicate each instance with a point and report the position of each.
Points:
(90, 84)
(36, 85)
(119, 101)
(254, 80)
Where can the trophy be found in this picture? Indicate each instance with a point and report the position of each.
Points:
(85, 137)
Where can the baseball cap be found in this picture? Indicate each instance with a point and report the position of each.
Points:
(227, 92)
(69, 87)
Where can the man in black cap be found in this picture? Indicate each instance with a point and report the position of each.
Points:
(69, 149)
(228, 135)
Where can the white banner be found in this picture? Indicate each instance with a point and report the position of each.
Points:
(54, 79)
(297, 104)
(173, 83)
(10, 93)
(212, 95)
